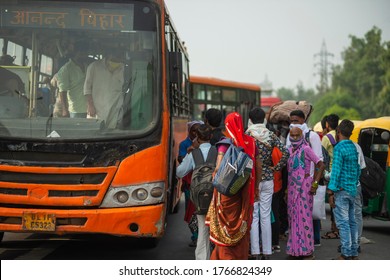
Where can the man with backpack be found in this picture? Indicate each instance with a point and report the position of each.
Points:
(328, 142)
(213, 118)
(202, 162)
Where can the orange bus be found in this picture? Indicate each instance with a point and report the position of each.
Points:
(80, 175)
(227, 96)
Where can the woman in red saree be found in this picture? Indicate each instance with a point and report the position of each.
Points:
(230, 218)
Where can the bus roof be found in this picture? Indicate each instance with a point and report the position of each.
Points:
(219, 82)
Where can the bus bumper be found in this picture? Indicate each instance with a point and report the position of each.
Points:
(141, 221)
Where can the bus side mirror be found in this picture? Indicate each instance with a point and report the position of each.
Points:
(175, 68)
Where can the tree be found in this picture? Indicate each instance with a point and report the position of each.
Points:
(286, 94)
(343, 113)
(383, 104)
(338, 102)
(305, 94)
(364, 74)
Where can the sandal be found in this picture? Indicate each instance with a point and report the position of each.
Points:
(331, 235)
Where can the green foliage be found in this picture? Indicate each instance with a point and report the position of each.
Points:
(285, 94)
(341, 103)
(343, 113)
(301, 94)
(364, 74)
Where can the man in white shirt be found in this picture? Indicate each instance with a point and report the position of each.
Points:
(359, 197)
(103, 88)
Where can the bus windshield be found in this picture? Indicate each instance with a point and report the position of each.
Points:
(73, 70)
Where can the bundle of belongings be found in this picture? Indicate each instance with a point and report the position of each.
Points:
(280, 112)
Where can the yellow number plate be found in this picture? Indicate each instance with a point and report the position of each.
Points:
(39, 222)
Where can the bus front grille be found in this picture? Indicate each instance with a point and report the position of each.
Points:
(74, 187)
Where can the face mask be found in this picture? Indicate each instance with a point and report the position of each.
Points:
(112, 66)
(295, 143)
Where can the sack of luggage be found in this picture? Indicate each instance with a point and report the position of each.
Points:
(235, 169)
(201, 189)
(280, 112)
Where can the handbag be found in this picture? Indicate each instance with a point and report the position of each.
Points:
(319, 204)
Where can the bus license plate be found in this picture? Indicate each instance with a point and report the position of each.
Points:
(39, 222)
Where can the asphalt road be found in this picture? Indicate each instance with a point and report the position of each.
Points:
(173, 246)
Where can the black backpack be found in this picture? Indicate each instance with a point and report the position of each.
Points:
(372, 178)
(201, 189)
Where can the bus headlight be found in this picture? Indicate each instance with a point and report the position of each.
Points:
(122, 196)
(140, 194)
(134, 195)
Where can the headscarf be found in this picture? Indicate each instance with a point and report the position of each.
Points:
(259, 131)
(191, 124)
(234, 127)
(297, 144)
(302, 127)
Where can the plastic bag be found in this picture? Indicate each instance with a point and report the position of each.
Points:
(319, 204)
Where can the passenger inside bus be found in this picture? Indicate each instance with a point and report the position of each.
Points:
(103, 88)
(10, 83)
(70, 82)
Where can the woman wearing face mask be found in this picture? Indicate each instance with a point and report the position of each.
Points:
(300, 191)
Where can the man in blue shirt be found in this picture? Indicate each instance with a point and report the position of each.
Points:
(342, 189)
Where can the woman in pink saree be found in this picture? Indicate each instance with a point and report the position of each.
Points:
(300, 191)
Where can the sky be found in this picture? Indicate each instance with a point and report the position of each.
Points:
(276, 40)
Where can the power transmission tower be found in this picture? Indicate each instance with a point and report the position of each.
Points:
(324, 70)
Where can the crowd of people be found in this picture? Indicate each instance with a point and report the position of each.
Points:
(278, 198)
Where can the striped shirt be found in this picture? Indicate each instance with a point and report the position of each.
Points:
(345, 168)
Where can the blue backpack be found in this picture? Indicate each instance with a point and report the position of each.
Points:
(235, 169)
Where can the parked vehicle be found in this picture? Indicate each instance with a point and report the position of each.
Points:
(373, 137)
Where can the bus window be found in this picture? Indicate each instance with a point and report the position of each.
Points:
(227, 96)
(43, 37)
(16, 51)
(213, 93)
(199, 92)
(46, 65)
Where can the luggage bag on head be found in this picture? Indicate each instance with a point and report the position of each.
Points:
(280, 112)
